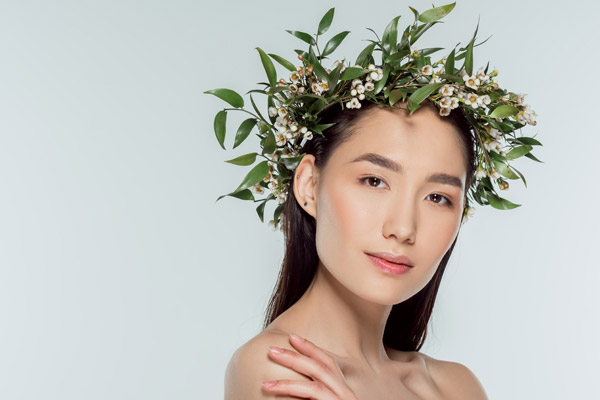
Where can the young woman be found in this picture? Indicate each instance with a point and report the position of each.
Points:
(379, 185)
(371, 208)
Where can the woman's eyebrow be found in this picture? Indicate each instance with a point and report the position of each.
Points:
(392, 165)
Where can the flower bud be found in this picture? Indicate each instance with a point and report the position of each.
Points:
(300, 57)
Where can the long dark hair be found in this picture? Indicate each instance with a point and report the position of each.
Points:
(406, 327)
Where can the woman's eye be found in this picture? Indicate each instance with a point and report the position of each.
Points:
(440, 197)
(372, 181)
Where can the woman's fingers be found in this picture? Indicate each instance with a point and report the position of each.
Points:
(303, 389)
(313, 351)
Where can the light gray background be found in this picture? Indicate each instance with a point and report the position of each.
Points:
(121, 278)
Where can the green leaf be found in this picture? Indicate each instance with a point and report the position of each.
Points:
(229, 96)
(255, 175)
(321, 127)
(500, 203)
(450, 63)
(286, 64)
(291, 162)
(325, 22)
(520, 174)
(469, 59)
(528, 140)
(421, 94)
(504, 170)
(269, 144)
(534, 158)
(243, 131)
(503, 111)
(396, 95)
(256, 109)
(381, 83)
(277, 213)
(519, 152)
(269, 67)
(242, 194)
(352, 73)
(261, 210)
(436, 13)
(246, 159)
(219, 125)
(397, 56)
(317, 67)
(365, 55)
(334, 42)
(390, 36)
(302, 36)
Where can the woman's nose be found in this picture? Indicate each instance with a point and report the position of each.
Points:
(400, 219)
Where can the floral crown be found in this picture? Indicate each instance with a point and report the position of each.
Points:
(406, 75)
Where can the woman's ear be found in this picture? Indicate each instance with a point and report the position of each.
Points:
(305, 184)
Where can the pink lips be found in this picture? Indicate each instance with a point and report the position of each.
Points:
(391, 263)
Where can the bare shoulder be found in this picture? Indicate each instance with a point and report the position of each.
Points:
(250, 366)
(455, 380)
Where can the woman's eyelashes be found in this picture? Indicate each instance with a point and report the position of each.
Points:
(376, 180)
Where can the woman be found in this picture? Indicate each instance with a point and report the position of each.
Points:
(366, 189)
(370, 207)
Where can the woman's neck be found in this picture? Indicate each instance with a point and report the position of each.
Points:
(337, 320)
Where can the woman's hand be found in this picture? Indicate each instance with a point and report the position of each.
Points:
(328, 382)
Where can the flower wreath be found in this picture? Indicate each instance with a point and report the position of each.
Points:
(405, 75)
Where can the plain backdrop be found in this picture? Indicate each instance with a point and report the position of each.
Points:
(122, 278)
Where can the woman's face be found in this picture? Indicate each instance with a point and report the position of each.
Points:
(363, 207)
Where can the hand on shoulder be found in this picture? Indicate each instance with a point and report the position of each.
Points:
(250, 366)
(455, 380)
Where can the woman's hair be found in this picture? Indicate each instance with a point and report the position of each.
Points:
(406, 327)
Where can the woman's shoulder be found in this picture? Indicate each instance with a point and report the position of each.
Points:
(453, 379)
(250, 366)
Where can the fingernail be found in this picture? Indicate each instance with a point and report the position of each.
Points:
(296, 337)
(276, 350)
(269, 383)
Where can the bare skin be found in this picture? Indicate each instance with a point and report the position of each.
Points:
(363, 207)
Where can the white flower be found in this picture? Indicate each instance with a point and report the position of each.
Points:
(295, 77)
(280, 136)
(316, 88)
(272, 112)
(414, 52)
(481, 173)
(485, 99)
(324, 86)
(454, 102)
(361, 96)
(494, 133)
(356, 82)
(308, 135)
(293, 88)
(427, 69)
(446, 90)
(376, 74)
(494, 174)
(258, 189)
(271, 225)
(471, 100)
(282, 112)
(446, 102)
(527, 116)
(493, 145)
(371, 67)
(354, 103)
(482, 76)
(272, 185)
(353, 92)
(289, 135)
(520, 99)
(369, 86)
(471, 81)
(360, 88)
(444, 111)
(294, 127)
(281, 196)
(281, 121)
(469, 212)
(435, 79)
(303, 129)
(301, 89)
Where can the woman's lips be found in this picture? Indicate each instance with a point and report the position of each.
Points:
(388, 266)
